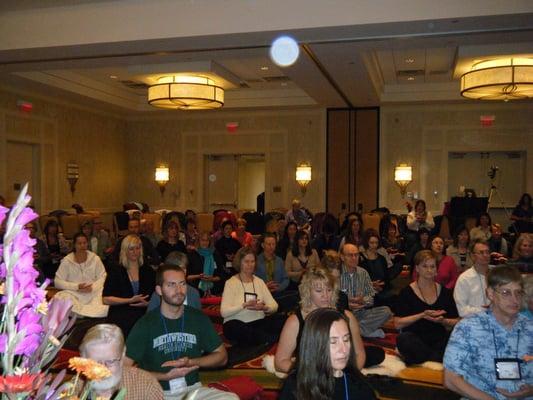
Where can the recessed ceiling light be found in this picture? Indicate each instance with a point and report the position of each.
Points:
(113, 76)
(264, 68)
(409, 60)
(411, 78)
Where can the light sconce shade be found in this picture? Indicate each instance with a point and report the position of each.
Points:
(162, 177)
(403, 176)
(73, 174)
(499, 79)
(303, 176)
(186, 93)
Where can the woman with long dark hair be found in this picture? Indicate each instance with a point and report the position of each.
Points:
(482, 228)
(285, 244)
(300, 258)
(459, 250)
(171, 240)
(326, 362)
(57, 247)
(354, 231)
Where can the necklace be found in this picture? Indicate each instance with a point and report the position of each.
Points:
(422, 294)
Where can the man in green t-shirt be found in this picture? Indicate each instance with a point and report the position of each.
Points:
(172, 342)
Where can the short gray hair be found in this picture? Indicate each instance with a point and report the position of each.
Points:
(102, 333)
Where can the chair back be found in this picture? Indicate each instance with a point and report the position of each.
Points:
(70, 225)
(204, 222)
(156, 220)
(371, 220)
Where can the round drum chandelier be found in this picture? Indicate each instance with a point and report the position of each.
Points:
(499, 79)
(182, 92)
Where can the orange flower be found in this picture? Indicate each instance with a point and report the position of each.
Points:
(89, 368)
(24, 383)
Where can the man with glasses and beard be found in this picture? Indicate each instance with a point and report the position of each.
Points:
(172, 342)
(104, 344)
(488, 354)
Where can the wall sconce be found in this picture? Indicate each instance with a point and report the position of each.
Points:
(403, 176)
(73, 173)
(303, 176)
(162, 177)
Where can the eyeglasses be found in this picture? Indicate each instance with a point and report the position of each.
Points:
(507, 293)
(109, 363)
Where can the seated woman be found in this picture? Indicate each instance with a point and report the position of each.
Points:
(171, 240)
(391, 240)
(244, 238)
(522, 215)
(523, 253)
(425, 313)
(318, 289)
(418, 218)
(191, 235)
(422, 243)
(286, 241)
(460, 249)
(57, 248)
(247, 306)
(482, 228)
(447, 272)
(376, 266)
(301, 258)
(206, 278)
(81, 276)
(227, 247)
(354, 231)
(326, 365)
(129, 285)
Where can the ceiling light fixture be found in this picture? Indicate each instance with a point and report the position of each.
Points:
(499, 79)
(186, 92)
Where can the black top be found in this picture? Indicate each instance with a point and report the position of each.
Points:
(409, 304)
(227, 246)
(358, 388)
(377, 268)
(164, 248)
(118, 284)
(149, 253)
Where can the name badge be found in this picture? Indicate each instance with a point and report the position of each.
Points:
(229, 264)
(177, 385)
(249, 296)
(507, 368)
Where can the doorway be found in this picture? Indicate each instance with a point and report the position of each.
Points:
(233, 181)
(22, 165)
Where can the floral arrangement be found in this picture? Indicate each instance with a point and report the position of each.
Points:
(32, 330)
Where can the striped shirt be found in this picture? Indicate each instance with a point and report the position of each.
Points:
(357, 283)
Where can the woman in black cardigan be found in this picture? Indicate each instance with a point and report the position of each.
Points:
(128, 285)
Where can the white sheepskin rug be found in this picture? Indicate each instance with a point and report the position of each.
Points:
(391, 366)
(268, 364)
(436, 366)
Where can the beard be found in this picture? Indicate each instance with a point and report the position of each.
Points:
(176, 300)
(108, 383)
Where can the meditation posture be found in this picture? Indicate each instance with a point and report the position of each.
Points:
(356, 284)
(150, 255)
(419, 217)
(318, 289)
(325, 366)
(470, 292)
(482, 228)
(447, 272)
(104, 343)
(81, 278)
(248, 307)
(300, 258)
(425, 313)
(489, 354)
(129, 285)
(174, 341)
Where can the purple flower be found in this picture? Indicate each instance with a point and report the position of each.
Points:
(3, 343)
(3, 212)
(28, 345)
(26, 215)
(58, 310)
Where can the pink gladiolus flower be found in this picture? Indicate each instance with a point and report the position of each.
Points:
(58, 310)
(3, 212)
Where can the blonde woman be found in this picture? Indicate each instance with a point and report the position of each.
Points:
(318, 289)
(129, 285)
(523, 253)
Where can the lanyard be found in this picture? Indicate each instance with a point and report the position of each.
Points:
(242, 283)
(166, 329)
(496, 348)
(345, 388)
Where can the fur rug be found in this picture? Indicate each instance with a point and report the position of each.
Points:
(391, 366)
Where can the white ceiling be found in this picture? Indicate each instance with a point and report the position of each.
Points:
(346, 66)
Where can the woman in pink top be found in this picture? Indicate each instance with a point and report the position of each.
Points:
(447, 271)
(244, 238)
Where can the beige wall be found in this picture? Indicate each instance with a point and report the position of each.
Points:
(181, 141)
(423, 135)
(61, 133)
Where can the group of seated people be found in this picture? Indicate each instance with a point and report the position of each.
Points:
(273, 286)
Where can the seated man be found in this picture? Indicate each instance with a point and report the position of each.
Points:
(271, 269)
(192, 297)
(172, 342)
(298, 215)
(486, 356)
(104, 344)
(150, 254)
(356, 283)
(471, 286)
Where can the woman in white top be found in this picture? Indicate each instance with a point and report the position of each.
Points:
(81, 278)
(482, 229)
(247, 306)
(420, 217)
